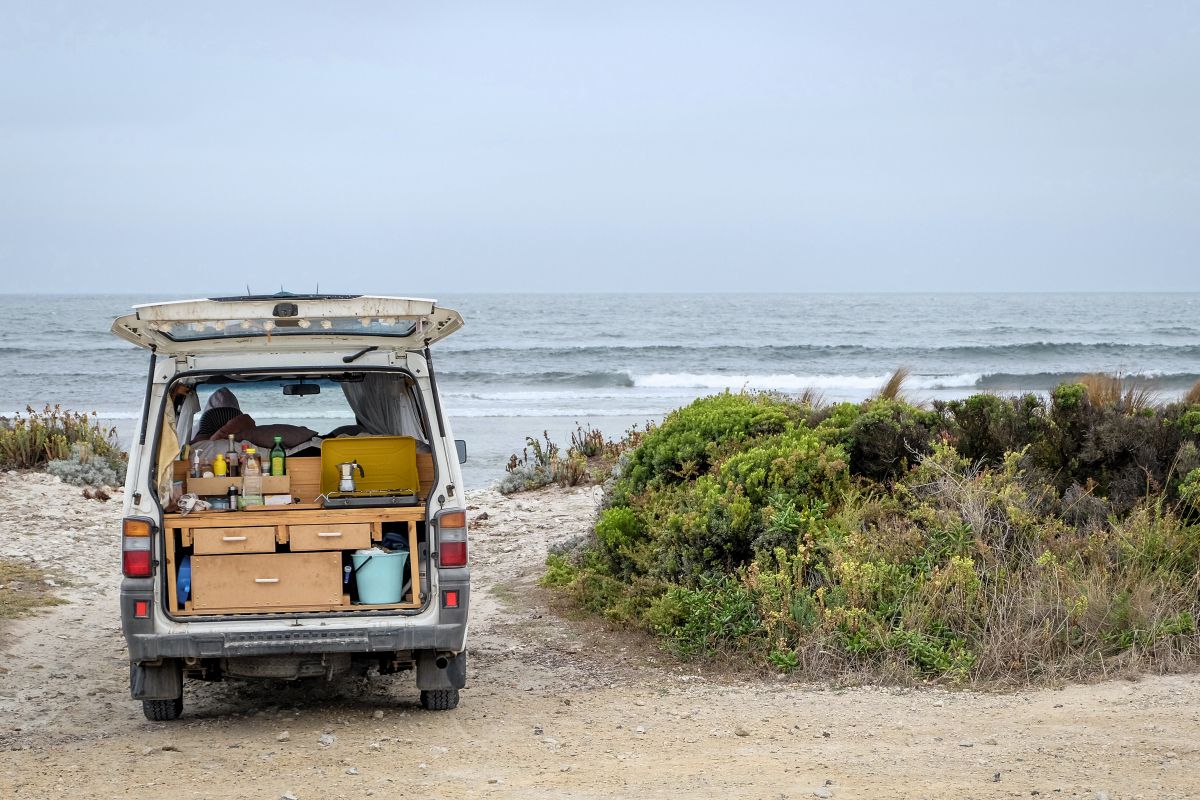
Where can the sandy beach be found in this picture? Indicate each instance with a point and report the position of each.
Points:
(555, 707)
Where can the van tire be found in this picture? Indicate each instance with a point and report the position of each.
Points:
(439, 699)
(162, 710)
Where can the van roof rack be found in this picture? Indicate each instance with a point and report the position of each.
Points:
(284, 296)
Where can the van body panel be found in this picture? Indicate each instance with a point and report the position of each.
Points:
(164, 640)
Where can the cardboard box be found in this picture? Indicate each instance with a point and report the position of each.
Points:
(209, 487)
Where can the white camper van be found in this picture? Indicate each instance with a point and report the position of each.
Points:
(256, 544)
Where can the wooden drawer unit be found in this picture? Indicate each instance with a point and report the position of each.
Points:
(219, 541)
(332, 536)
(245, 582)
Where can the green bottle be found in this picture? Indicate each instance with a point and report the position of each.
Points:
(278, 458)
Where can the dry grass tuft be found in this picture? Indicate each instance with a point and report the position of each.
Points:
(893, 387)
(1111, 391)
(810, 397)
(1102, 389)
(1193, 395)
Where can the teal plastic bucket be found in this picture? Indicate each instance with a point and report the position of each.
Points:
(379, 576)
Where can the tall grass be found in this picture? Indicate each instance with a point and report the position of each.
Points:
(893, 387)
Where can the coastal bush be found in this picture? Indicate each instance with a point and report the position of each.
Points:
(84, 468)
(31, 440)
(995, 540)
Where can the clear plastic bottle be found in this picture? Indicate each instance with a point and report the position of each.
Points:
(252, 479)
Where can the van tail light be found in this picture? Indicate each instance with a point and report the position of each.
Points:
(455, 519)
(135, 547)
(452, 539)
(452, 554)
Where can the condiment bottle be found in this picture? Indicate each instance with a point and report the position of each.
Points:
(220, 468)
(232, 458)
(278, 458)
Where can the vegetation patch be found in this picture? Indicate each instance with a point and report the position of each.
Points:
(993, 540)
(588, 459)
(23, 588)
(72, 445)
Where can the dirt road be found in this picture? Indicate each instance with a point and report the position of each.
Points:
(554, 709)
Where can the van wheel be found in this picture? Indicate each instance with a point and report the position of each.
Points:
(162, 710)
(439, 699)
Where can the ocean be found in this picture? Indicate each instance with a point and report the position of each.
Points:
(530, 363)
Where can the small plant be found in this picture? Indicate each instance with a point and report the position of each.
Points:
(784, 660)
(530, 471)
(588, 442)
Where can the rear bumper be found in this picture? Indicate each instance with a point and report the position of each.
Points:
(150, 647)
(448, 634)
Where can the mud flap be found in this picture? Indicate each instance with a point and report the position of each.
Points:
(430, 676)
(156, 681)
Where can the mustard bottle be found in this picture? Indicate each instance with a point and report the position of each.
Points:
(220, 467)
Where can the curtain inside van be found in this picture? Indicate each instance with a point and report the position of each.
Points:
(384, 405)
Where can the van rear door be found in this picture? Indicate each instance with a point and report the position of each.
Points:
(287, 323)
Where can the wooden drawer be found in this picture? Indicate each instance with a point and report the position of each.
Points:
(266, 581)
(216, 541)
(332, 536)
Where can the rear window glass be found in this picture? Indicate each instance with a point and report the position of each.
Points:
(295, 326)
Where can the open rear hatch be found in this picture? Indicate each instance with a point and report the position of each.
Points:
(286, 322)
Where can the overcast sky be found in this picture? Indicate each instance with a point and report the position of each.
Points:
(599, 146)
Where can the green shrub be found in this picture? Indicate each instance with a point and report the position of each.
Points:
(882, 437)
(988, 540)
(986, 426)
(692, 438)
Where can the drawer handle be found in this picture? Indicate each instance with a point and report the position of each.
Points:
(266, 580)
(326, 534)
(233, 538)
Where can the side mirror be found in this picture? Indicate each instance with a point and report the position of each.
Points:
(461, 446)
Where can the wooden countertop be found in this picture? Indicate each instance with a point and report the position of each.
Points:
(280, 516)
